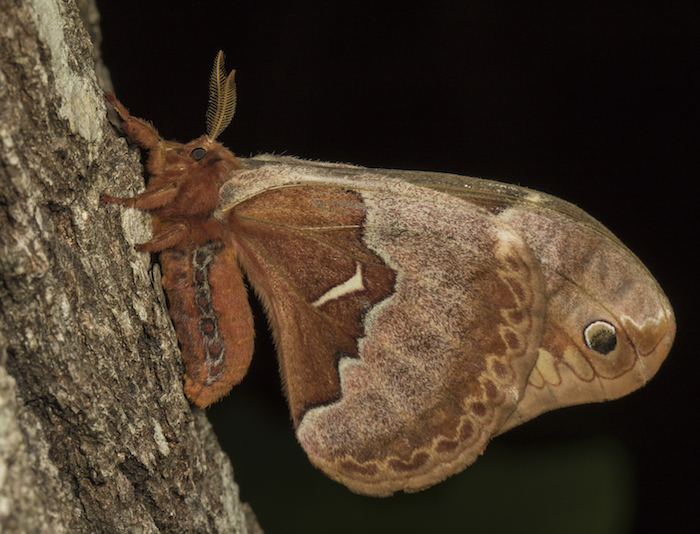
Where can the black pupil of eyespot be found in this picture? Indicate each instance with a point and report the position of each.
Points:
(198, 153)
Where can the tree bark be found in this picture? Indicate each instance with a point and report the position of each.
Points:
(95, 432)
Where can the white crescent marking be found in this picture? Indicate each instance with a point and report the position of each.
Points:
(352, 284)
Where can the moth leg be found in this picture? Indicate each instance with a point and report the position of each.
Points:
(140, 131)
(147, 200)
(164, 237)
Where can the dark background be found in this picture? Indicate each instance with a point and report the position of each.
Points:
(597, 104)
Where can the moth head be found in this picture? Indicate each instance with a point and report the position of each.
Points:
(204, 159)
(199, 151)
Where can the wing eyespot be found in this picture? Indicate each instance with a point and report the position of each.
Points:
(601, 337)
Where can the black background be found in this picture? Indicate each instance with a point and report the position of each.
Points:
(595, 103)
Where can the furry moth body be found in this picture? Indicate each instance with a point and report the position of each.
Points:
(416, 315)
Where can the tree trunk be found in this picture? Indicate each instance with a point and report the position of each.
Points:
(95, 432)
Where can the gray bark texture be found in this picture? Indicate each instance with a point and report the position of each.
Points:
(95, 432)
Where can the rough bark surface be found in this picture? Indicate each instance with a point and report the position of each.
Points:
(95, 433)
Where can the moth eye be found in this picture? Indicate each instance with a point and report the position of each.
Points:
(601, 337)
(198, 153)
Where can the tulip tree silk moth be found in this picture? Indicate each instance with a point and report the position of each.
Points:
(416, 315)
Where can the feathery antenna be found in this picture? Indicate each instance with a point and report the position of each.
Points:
(222, 98)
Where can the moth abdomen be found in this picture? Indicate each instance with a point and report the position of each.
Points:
(213, 321)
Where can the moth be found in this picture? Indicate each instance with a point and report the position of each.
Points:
(416, 315)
